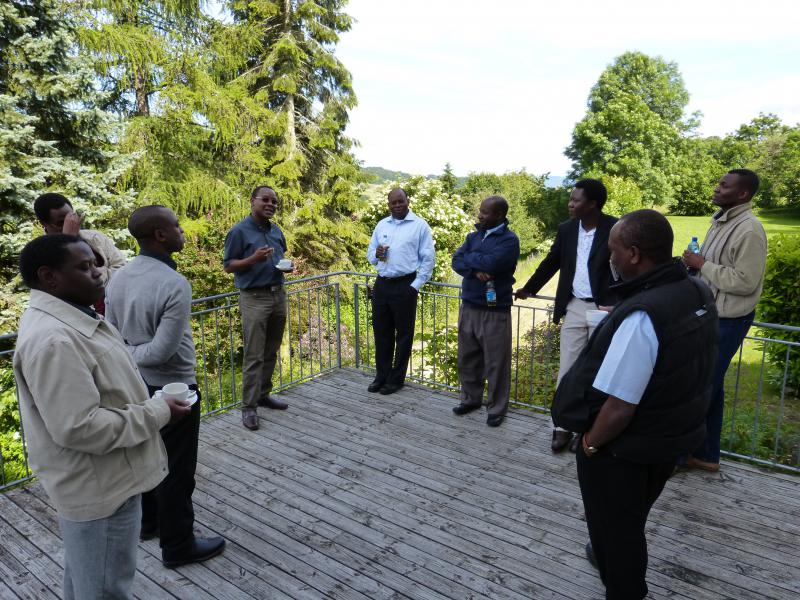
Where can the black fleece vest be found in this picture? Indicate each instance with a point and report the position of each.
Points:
(670, 418)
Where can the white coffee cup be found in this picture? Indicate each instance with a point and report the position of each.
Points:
(284, 264)
(179, 391)
(594, 317)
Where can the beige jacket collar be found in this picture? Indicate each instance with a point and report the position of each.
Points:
(726, 215)
(69, 315)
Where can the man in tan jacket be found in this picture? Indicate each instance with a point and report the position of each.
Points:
(92, 429)
(731, 261)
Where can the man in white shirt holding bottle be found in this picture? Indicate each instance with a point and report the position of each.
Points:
(402, 251)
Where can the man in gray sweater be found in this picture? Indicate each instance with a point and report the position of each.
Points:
(150, 303)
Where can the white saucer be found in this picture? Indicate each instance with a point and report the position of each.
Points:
(191, 399)
(286, 267)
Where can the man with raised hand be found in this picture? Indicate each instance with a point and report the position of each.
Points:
(90, 425)
(253, 248)
(580, 255)
(639, 392)
(150, 304)
(401, 249)
(731, 261)
(486, 261)
(54, 211)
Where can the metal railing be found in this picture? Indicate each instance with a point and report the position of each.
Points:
(329, 326)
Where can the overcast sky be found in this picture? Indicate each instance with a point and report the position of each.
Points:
(498, 86)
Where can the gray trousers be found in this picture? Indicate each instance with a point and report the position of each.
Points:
(484, 355)
(100, 555)
(575, 333)
(263, 322)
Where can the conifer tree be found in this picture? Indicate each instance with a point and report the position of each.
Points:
(52, 133)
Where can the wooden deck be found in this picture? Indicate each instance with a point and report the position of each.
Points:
(356, 495)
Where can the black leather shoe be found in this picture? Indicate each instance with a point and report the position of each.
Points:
(148, 533)
(590, 555)
(375, 386)
(560, 440)
(494, 420)
(463, 409)
(202, 549)
(575, 444)
(270, 402)
(390, 388)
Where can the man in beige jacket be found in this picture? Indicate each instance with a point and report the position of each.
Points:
(92, 429)
(731, 261)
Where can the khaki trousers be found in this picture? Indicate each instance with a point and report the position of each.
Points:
(263, 321)
(575, 331)
(484, 355)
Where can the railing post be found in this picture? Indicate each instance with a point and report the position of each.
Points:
(357, 327)
(338, 327)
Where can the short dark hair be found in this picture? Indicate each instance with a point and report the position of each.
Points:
(500, 203)
(748, 179)
(44, 251)
(47, 202)
(594, 190)
(145, 220)
(648, 230)
(399, 189)
(259, 188)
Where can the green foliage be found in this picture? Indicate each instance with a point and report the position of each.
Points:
(449, 180)
(525, 194)
(780, 303)
(633, 125)
(624, 196)
(699, 168)
(449, 223)
(54, 135)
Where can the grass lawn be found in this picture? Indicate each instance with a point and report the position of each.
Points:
(753, 411)
(774, 221)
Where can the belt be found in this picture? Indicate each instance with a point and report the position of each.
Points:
(399, 278)
(264, 288)
(585, 299)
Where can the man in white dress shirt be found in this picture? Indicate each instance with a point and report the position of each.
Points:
(401, 249)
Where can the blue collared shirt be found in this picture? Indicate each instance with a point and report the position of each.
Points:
(243, 240)
(410, 248)
(489, 232)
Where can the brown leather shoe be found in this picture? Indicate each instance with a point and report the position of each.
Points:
(704, 465)
(250, 419)
(560, 440)
(270, 402)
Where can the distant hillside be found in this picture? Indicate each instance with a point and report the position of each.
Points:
(381, 175)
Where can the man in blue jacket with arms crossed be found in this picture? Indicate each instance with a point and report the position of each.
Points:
(488, 258)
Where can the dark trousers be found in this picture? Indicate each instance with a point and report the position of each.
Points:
(168, 508)
(617, 497)
(731, 334)
(394, 309)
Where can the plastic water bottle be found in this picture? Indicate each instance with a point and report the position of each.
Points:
(694, 248)
(385, 243)
(491, 294)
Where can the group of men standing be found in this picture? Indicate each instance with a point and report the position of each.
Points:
(643, 390)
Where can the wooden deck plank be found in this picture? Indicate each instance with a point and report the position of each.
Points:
(371, 461)
(353, 495)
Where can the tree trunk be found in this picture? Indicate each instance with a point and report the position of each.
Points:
(142, 100)
(291, 134)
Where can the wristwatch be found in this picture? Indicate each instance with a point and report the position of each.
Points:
(588, 450)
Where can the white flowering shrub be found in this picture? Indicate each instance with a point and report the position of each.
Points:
(448, 221)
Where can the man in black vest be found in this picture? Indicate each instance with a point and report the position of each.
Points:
(639, 391)
(580, 253)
